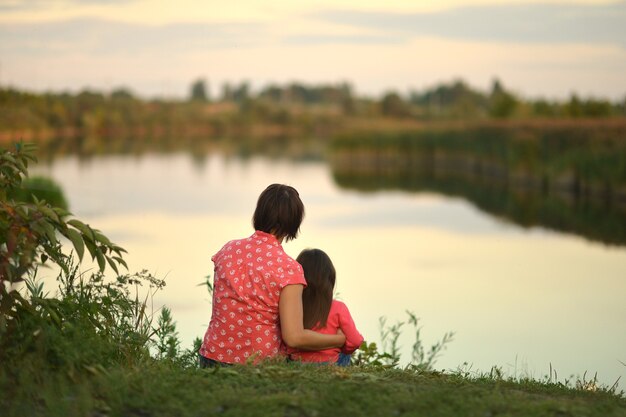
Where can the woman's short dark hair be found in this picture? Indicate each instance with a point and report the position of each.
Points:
(279, 211)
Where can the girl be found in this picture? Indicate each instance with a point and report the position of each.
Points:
(323, 314)
(257, 289)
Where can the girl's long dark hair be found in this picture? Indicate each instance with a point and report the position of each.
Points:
(317, 297)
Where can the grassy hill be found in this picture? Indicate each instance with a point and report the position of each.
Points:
(164, 389)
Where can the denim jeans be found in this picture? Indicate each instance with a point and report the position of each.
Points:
(209, 363)
(344, 360)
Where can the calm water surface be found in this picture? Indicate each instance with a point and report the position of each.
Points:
(516, 298)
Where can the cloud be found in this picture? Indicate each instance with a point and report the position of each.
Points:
(97, 36)
(539, 50)
(342, 39)
(534, 23)
(20, 5)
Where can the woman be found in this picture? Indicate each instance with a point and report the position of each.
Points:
(257, 289)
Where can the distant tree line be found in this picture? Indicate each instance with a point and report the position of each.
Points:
(459, 100)
(454, 100)
(296, 107)
(294, 93)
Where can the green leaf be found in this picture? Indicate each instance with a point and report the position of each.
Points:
(118, 250)
(113, 266)
(121, 261)
(102, 238)
(91, 247)
(21, 167)
(38, 227)
(9, 157)
(101, 262)
(48, 212)
(84, 228)
(57, 258)
(53, 314)
(30, 158)
(61, 212)
(77, 241)
(50, 232)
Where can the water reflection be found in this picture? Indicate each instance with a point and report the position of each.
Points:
(570, 204)
(565, 178)
(538, 296)
(200, 149)
(594, 221)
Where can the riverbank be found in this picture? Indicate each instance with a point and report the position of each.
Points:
(162, 389)
(564, 175)
(585, 160)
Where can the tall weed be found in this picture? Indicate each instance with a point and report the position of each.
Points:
(388, 354)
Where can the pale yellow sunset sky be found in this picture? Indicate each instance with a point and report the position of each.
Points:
(157, 48)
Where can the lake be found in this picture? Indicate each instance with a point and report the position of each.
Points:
(525, 299)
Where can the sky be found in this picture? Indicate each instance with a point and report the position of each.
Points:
(157, 48)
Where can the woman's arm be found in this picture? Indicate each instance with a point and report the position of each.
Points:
(292, 327)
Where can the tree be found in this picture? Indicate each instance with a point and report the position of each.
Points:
(574, 107)
(242, 93)
(394, 106)
(227, 92)
(29, 232)
(502, 104)
(199, 91)
(456, 99)
(597, 108)
(544, 108)
(122, 94)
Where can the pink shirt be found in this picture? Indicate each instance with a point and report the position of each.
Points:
(338, 318)
(249, 275)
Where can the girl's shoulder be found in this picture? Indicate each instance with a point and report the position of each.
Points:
(338, 306)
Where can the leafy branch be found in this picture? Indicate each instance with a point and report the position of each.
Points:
(30, 231)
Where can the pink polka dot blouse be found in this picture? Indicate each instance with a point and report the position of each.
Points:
(248, 278)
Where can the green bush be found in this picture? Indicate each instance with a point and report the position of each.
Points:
(40, 188)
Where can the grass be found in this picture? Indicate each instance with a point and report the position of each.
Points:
(293, 390)
(159, 388)
(66, 356)
(95, 349)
